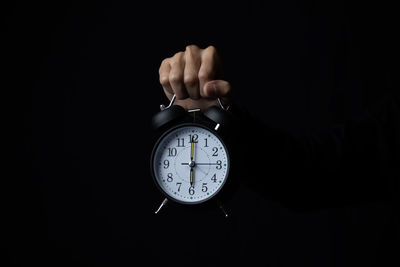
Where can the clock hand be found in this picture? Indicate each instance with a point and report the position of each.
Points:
(191, 149)
(191, 176)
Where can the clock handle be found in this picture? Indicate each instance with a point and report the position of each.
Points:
(221, 206)
(222, 105)
(165, 201)
(163, 107)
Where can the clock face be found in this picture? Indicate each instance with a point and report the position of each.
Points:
(190, 164)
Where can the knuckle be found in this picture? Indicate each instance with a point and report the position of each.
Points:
(175, 65)
(175, 78)
(173, 61)
(192, 47)
(164, 80)
(165, 61)
(176, 62)
(188, 47)
(176, 58)
(190, 80)
(178, 55)
(211, 49)
(204, 75)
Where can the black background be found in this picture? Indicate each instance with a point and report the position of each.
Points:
(81, 86)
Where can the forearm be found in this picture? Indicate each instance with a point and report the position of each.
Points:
(344, 161)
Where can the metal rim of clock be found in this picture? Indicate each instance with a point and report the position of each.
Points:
(153, 157)
(162, 107)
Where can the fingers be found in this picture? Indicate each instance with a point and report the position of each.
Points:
(207, 69)
(164, 78)
(186, 73)
(218, 88)
(176, 75)
(192, 65)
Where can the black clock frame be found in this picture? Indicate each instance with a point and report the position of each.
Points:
(219, 192)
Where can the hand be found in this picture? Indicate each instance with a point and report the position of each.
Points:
(194, 76)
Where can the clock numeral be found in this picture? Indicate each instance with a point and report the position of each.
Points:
(219, 165)
(181, 142)
(166, 164)
(172, 152)
(204, 187)
(193, 138)
(214, 178)
(215, 154)
(169, 177)
(206, 145)
(179, 186)
(191, 190)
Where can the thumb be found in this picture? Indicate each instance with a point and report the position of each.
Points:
(218, 88)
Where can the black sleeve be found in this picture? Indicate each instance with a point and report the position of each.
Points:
(356, 160)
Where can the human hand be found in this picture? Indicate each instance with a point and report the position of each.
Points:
(194, 76)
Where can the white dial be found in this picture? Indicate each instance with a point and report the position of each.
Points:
(190, 164)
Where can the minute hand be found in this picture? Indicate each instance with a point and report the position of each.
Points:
(191, 150)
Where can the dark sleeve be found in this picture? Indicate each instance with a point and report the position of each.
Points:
(355, 160)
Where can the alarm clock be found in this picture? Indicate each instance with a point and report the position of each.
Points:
(190, 162)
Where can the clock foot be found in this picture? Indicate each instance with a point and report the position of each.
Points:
(162, 205)
(223, 209)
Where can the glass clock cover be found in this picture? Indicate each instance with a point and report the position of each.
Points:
(190, 164)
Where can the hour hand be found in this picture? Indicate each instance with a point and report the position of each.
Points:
(191, 176)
